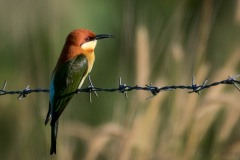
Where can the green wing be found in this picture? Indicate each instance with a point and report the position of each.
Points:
(66, 80)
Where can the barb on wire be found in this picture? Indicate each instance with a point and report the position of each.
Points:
(124, 88)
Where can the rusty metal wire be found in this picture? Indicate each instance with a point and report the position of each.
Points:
(124, 88)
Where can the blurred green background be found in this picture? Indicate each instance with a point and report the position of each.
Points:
(160, 42)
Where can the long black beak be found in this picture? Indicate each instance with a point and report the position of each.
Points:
(102, 36)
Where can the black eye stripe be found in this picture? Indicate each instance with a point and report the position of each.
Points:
(90, 39)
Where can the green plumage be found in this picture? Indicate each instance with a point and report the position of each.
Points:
(66, 80)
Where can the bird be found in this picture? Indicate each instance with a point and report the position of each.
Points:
(74, 64)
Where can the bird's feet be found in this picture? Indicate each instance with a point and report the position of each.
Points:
(92, 89)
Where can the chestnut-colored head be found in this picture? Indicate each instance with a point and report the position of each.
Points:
(79, 41)
(84, 38)
(80, 36)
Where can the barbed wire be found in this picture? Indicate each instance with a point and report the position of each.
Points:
(124, 88)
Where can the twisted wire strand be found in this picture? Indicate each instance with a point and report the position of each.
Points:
(124, 88)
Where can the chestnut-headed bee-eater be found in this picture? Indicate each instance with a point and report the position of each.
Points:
(74, 64)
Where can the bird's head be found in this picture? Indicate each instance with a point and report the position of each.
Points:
(79, 41)
(84, 38)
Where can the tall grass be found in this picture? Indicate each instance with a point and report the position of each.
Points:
(159, 42)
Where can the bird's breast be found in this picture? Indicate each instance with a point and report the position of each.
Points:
(91, 59)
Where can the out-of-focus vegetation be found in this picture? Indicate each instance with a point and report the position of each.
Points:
(160, 42)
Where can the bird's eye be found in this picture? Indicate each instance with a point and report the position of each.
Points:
(88, 39)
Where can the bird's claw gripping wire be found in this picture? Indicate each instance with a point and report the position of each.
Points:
(91, 89)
